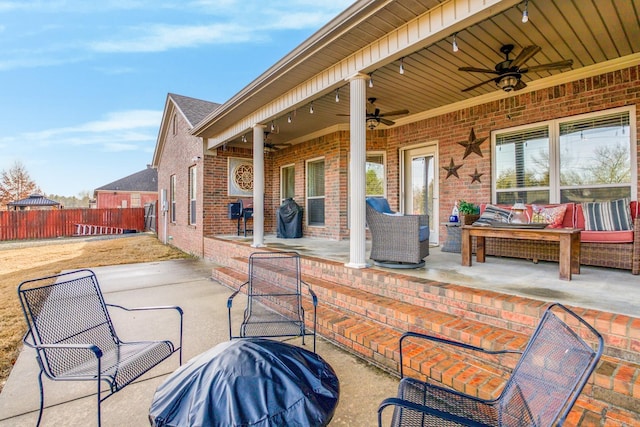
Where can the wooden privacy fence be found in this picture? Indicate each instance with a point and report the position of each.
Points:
(44, 224)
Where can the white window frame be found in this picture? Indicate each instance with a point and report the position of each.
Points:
(384, 172)
(554, 150)
(193, 195)
(172, 198)
(307, 197)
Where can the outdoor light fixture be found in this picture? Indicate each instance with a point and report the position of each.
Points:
(508, 81)
(337, 95)
(525, 12)
(455, 43)
(311, 108)
(244, 138)
(273, 126)
(370, 79)
(289, 118)
(401, 65)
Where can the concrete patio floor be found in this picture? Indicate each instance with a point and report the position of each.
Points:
(185, 283)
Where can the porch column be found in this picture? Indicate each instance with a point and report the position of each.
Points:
(357, 170)
(258, 186)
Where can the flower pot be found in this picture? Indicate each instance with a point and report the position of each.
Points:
(468, 219)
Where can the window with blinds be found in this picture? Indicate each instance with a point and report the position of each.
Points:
(576, 159)
(193, 195)
(315, 192)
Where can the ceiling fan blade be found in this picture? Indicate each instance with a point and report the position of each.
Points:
(386, 121)
(478, 70)
(525, 54)
(478, 85)
(394, 113)
(550, 66)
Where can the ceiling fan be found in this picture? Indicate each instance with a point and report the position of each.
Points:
(509, 72)
(374, 117)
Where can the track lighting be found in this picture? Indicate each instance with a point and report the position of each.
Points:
(337, 95)
(370, 79)
(401, 66)
(455, 43)
(525, 12)
(311, 108)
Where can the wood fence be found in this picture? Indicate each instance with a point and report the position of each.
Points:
(45, 224)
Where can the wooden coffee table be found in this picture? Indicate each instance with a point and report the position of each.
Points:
(569, 238)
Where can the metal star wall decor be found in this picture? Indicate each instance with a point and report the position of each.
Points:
(452, 169)
(476, 176)
(472, 145)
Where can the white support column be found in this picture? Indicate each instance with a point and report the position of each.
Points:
(258, 186)
(357, 170)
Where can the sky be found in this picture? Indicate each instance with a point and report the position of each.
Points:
(83, 83)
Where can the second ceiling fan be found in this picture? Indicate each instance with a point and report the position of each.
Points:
(375, 117)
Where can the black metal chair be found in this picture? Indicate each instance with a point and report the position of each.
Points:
(274, 298)
(74, 337)
(542, 389)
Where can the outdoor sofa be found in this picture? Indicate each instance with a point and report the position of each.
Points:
(601, 248)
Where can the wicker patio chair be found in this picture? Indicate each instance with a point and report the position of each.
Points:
(542, 389)
(75, 339)
(274, 306)
(397, 241)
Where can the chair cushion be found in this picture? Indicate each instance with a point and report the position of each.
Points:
(493, 213)
(607, 216)
(423, 233)
(380, 204)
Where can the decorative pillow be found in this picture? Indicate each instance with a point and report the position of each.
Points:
(380, 204)
(549, 215)
(607, 216)
(491, 214)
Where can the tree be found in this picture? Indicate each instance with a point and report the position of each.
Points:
(16, 184)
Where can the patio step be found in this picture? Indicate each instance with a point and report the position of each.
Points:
(365, 311)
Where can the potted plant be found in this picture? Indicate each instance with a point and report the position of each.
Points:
(468, 212)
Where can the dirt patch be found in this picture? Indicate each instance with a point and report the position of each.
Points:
(30, 259)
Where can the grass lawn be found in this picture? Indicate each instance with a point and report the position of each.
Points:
(30, 259)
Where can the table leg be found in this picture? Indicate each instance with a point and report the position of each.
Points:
(465, 248)
(575, 253)
(481, 251)
(565, 257)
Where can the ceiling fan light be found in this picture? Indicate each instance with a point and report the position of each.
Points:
(508, 82)
(372, 123)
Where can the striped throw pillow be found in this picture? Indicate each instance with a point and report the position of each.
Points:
(492, 214)
(607, 216)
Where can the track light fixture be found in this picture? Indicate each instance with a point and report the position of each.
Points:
(525, 12)
(455, 43)
(337, 95)
(401, 66)
(370, 79)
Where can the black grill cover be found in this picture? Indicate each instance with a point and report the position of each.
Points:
(248, 382)
(289, 220)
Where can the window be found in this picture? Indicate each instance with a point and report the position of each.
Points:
(375, 175)
(287, 182)
(172, 197)
(135, 200)
(315, 192)
(578, 159)
(193, 179)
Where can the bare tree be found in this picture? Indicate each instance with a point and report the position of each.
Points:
(16, 184)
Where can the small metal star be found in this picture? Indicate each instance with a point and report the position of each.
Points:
(472, 145)
(452, 169)
(476, 176)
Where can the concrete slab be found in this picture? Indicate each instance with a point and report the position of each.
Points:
(185, 283)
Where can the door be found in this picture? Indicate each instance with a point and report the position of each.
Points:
(419, 185)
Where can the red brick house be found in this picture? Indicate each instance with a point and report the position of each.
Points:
(433, 103)
(133, 191)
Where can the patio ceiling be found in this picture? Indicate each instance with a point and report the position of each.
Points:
(589, 32)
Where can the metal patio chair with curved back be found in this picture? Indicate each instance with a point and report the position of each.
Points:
(274, 306)
(75, 339)
(542, 388)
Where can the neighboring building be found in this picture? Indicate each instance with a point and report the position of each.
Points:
(34, 201)
(133, 191)
(432, 102)
(184, 171)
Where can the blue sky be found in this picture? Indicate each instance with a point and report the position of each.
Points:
(83, 83)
